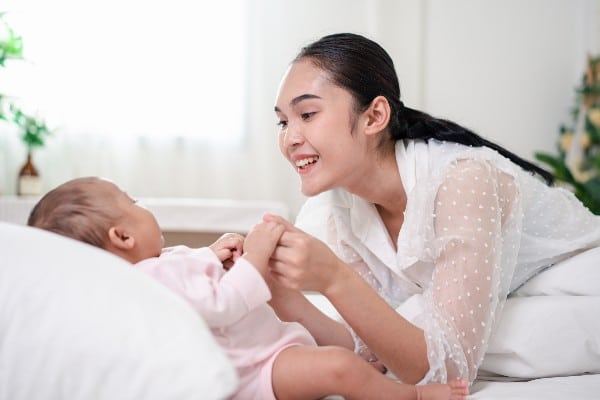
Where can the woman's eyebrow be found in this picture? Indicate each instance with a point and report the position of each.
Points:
(300, 98)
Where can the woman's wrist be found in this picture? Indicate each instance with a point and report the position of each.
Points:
(338, 279)
(288, 304)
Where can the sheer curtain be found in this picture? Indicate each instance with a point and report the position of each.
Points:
(167, 98)
(175, 98)
(150, 94)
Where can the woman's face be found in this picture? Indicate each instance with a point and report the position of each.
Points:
(319, 134)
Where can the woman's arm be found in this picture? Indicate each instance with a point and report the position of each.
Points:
(476, 236)
(302, 262)
(292, 306)
(399, 344)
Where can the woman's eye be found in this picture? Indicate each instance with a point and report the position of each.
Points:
(282, 124)
(306, 116)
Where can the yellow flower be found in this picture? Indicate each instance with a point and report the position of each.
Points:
(585, 140)
(577, 172)
(565, 141)
(583, 176)
(594, 117)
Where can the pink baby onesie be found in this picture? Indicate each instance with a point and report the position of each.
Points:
(234, 305)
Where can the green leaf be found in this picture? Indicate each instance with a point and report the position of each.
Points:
(552, 161)
(592, 187)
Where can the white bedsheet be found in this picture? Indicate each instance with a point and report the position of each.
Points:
(582, 387)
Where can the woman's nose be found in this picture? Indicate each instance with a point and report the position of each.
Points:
(292, 137)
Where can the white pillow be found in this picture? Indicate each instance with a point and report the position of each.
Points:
(544, 336)
(575, 276)
(77, 322)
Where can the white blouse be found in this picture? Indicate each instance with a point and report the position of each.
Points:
(476, 227)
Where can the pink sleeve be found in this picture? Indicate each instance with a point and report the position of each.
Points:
(197, 275)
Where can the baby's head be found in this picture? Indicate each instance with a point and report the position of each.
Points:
(98, 212)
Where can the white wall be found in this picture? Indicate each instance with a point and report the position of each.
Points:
(505, 68)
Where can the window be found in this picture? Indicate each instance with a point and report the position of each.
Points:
(131, 67)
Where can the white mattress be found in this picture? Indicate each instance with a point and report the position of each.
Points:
(581, 387)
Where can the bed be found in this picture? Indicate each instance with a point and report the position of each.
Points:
(78, 323)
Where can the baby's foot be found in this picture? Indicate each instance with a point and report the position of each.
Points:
(457, 389)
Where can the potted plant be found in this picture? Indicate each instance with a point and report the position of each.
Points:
(577, 164)
(33, 131)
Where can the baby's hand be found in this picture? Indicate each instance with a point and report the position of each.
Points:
(228, 248)
(260, 244)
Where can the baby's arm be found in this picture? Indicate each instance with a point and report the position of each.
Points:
(197, 275)
(260, 244)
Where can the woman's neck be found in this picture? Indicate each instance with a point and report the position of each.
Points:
(382, 186)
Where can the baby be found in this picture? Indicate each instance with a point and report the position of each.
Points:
(226, 284)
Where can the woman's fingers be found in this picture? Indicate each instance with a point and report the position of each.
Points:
(282, 279)
(292, 251)
(289, 227)
(302, 261)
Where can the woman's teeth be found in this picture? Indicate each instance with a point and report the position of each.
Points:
(306, 161)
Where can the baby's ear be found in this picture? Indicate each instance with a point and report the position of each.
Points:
(120, 238)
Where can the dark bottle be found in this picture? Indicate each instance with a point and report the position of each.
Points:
(29, 182)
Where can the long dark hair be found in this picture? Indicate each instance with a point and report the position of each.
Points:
(366, 70)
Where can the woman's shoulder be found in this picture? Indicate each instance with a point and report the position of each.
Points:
(444, 158)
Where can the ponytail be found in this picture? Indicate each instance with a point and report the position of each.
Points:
(415, 124)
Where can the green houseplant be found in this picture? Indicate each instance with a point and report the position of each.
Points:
(577, 164)
(33, 130)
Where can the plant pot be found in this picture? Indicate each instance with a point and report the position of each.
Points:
(29, 182)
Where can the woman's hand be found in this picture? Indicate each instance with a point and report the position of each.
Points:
(302, 262)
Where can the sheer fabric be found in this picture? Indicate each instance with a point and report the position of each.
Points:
(476, 227)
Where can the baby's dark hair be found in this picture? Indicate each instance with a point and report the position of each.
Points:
(74, 209)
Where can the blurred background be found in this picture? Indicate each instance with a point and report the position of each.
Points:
(175, 98)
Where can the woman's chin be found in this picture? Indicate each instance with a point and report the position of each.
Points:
(311, 190)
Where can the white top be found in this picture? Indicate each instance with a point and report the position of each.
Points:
(476, 227)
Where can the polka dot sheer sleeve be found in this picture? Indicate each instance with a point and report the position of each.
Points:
(475, 215)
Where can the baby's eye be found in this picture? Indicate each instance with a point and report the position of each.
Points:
(306, 116)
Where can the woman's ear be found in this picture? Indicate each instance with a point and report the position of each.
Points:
(119, 238)
(377, 116)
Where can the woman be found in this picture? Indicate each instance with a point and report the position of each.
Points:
(417, 229)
